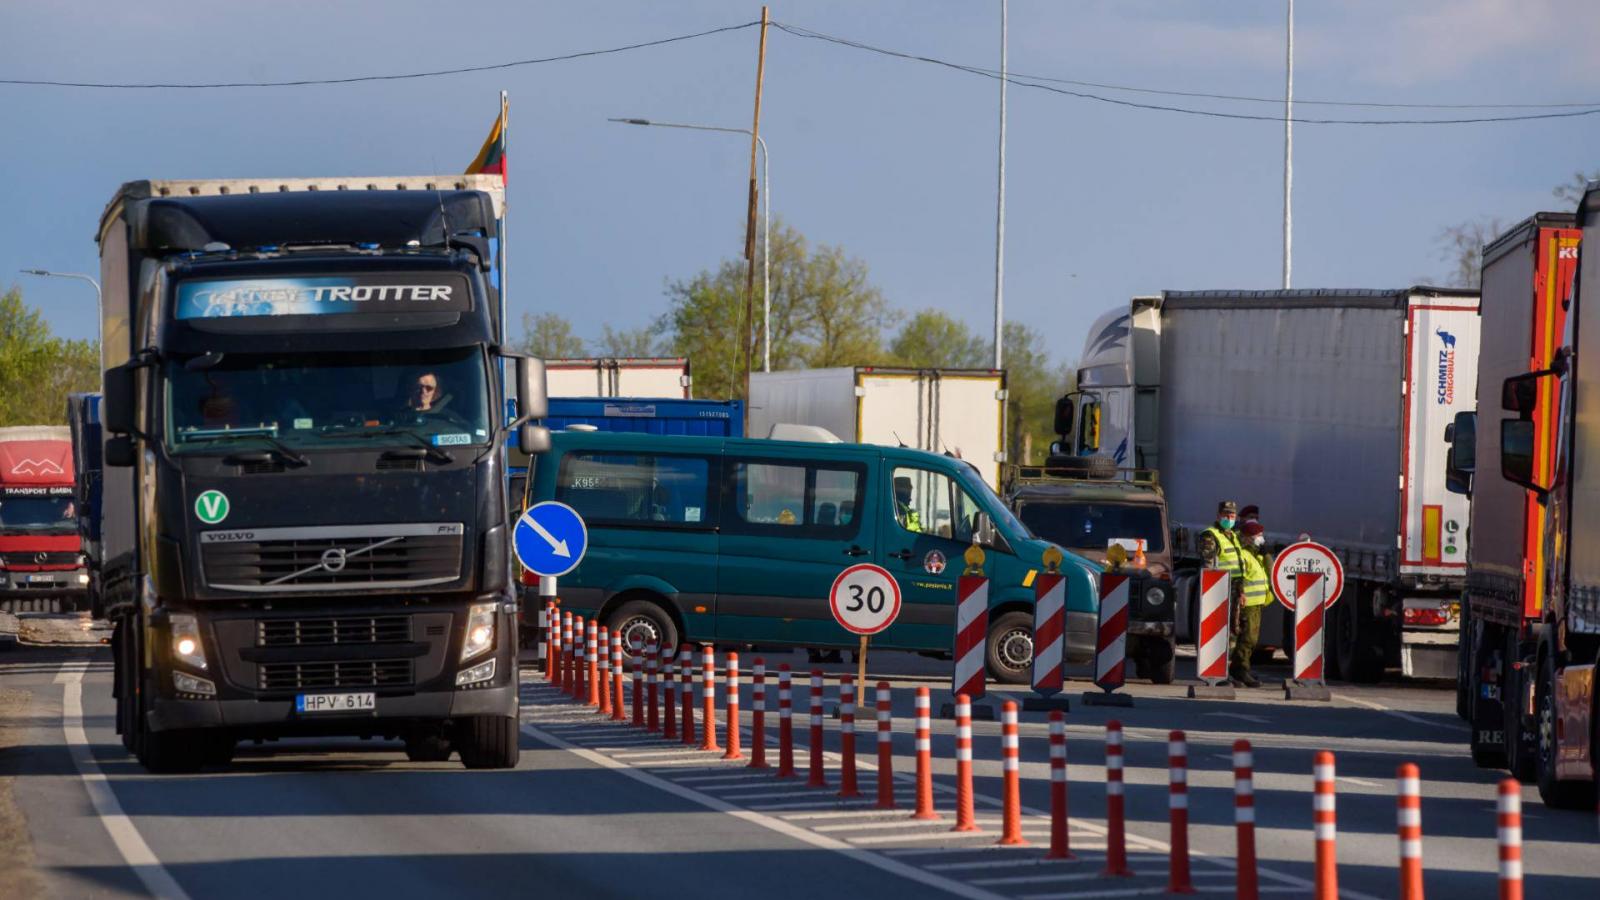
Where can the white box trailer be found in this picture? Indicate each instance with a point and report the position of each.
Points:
(957, 411)
(611, 377)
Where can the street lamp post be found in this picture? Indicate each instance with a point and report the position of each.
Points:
(99, 313)
(766, 225)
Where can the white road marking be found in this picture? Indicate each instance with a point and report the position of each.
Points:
(771, 823)
(808, 804)
(1058, 876)
(901, 822)
(1258, 720)
(1369, 704)
(1359, 781)
(943, 834)
(842, 814)
(135, 852)
(766, 776)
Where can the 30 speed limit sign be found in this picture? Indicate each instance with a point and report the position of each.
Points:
(865, 599)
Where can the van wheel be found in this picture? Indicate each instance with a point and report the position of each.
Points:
(642, 623)
(1009, 649)
(488, 742)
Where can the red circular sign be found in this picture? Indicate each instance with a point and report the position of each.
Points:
(865, 599)
(1306, 556)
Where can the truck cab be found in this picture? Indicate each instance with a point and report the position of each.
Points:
(1089, 514)
(41, 559)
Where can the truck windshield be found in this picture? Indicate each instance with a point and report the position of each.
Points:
(312, 400)
(37, 514)
(1093, 526)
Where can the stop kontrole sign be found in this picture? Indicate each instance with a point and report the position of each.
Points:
(865, 599)
(1310, 557)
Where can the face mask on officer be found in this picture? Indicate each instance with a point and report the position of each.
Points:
(1259, 540)
(1226, 522)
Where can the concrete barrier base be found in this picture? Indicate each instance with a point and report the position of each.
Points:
(1221, 691)
(1104, 698)
(1306, 690)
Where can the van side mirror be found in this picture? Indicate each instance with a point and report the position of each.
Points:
(1064, 415)
(119, 451)
(983, 530)
(119, 408)
(1461, 460)
(533, 401)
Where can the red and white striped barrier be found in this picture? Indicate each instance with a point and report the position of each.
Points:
(618, 713)
(603, 660)
(638, 689)
(1049, 632)
(966, 820)
(847, 737)
(1178, 880)
(1211, 646)
(1510, 838)
(1060, 846)
(1011, 767)
(708, 698)
(686, 690)
(730, 722)
(1111, 638)
(815, 776)
(1408, 816)
(924, 757)
(758, 715)
(972, 631)
(885, 747)
(785, 723)
(1244, 821)
(669, 690)
(1324, 818)
(591, 662)
(1116, 825)
(652, 705)
(1310, 591)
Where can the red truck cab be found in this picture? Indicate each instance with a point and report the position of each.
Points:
(41, 559)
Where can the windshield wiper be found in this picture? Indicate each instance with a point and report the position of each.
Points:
(284, 451)
(429, 450)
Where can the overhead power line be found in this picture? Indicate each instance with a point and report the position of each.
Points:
(355, 79)
(1037, 84)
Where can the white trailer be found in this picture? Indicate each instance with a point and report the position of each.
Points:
(610, 377)
(956, 411)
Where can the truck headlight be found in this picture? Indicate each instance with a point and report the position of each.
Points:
(189, 684)
(1155, 596)
(83, 577)
(186, 645)
(480, 630)
(481, 672)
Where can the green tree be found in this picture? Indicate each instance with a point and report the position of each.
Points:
(933, 339)
(37, 369)
(1461, 245)
(1032, 386)
(550, 336)
(627, 343)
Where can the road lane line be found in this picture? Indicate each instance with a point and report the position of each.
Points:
(1058, 876)
(738, 776)
(1370, 704)
(135, 852)
(771, 823)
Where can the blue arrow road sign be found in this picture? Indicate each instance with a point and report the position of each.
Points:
(550, 539)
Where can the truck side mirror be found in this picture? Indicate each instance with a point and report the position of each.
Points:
(119, 451)
(1461, 460)
(533, 400)
(1521, 393)
(1064, 415)
(1516, 454)
(119, 408)
(533, 439)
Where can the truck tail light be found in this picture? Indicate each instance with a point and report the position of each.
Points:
(1422, 616)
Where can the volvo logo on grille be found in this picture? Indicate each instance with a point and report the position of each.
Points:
(333, 559)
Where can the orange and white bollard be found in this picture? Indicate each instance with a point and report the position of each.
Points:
(924, 757)
(1178, 880)
(1510, 833)
(575, 676)
(966, 819)
(591, 662)
(758, 715)
(618, 710)
(1323, 814)
(686, 688)
(730, 727)
(603, 649)
(1116, 826)
(885, 747)
(1409, 820)
(652, 700)
(785, 724)
(564, 652)
(669, 691)
(552, 643)
(1060, 847)
(1244, 820)
(638, 689)
(1011, 759)
(815, 777)
(847, 737)
(708, 699)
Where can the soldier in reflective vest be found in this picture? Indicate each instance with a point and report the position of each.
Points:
(1220, 548)
(1257, 594)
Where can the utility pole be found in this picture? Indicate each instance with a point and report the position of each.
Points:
(1000, 211)
(750, 220)
(1288, 157)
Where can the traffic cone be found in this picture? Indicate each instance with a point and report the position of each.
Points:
(885, 747)
(966, 820)
(1409, 819)
(730, 728)
(1178, 880)
(1060, 847)
(785, 724)
(1116, 827)
(1323, 816)
(924, 757)
(847, 737)
(1011, 757)
(816, 778)
(758, 715)
(1244, 821)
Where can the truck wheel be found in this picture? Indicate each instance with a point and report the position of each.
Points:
(1008, 651)
(219, 749)
(489, 742)
(1555, 793)
(428, 748)
(1159, 662)
(1484, 716)
(1357, 641)
(1464, 687)
(642, 623)
(173, 752)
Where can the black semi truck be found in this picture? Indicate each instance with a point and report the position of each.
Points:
(304, 527)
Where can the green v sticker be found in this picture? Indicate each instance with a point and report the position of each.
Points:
(211, 507)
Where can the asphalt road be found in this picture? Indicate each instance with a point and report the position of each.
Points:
(598, 809)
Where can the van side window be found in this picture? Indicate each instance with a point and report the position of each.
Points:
(793, 498)
(635, 489)
(927, 502)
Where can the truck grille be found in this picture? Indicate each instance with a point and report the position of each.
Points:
(284, 676)
(350, 630)
(337, 558)
(47, 558)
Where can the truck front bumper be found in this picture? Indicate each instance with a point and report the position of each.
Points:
(44, 583)
(393, 714)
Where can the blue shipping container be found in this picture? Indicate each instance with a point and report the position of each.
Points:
(650, 415)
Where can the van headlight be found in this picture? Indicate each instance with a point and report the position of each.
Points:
(480, 630)
(186, 646)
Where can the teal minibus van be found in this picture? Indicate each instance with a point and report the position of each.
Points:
(737, 541)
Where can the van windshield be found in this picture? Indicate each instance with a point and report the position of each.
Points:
(1093, 526)
(994, 506)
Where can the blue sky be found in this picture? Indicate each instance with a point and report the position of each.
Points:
(893, 160)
